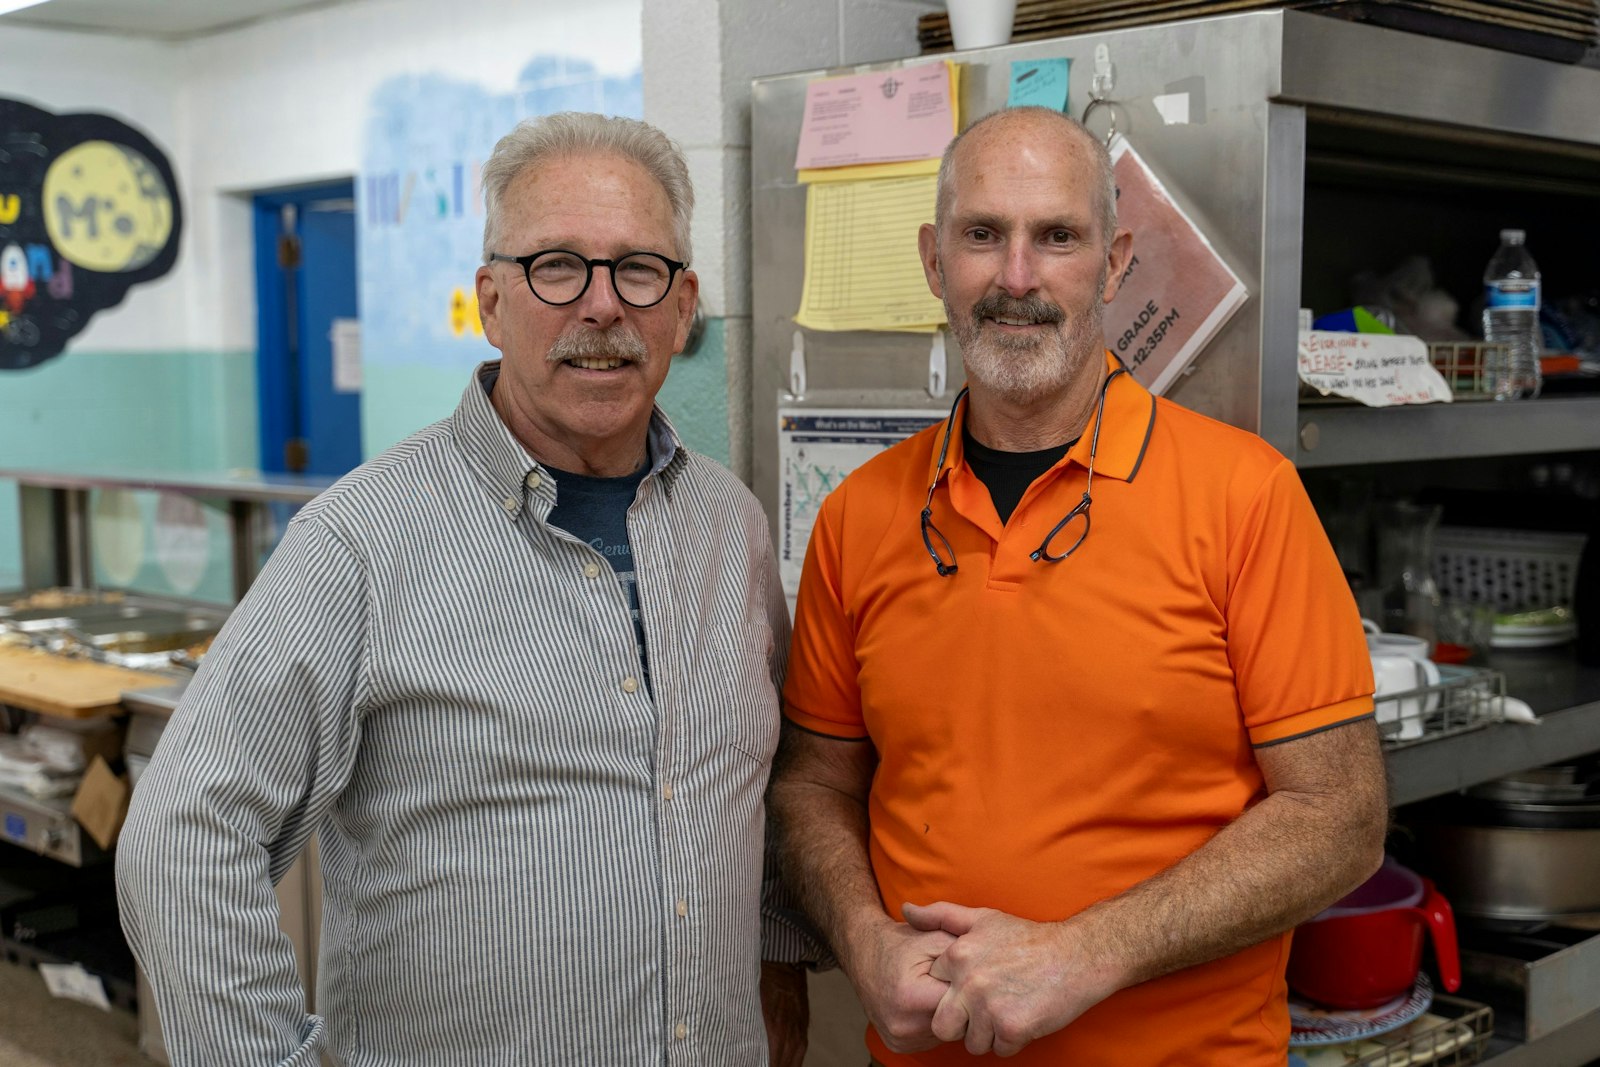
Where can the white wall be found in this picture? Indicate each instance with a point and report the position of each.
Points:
(275, 104)
(284, 102)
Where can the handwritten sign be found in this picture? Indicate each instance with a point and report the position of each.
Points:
(1039, 83)
(1379, 370)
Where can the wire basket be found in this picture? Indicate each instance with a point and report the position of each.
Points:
(1512, 570)
(1462, 363)
(1464, 699)
(1452, 1033)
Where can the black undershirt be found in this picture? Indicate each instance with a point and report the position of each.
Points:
(1008, 474)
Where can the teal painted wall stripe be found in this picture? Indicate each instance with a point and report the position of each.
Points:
(148, 410)
(196, 411)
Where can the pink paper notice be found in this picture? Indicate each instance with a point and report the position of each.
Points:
(889, 116)
(1176, 292)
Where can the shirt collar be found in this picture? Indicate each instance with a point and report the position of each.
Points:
(1130, 418)
(502, 465)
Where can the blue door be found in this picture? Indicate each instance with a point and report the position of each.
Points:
(308, 363)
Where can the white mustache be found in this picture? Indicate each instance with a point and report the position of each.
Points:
(616, 343)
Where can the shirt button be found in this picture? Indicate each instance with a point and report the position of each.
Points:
(666, 791)
(591, 569)
(680, 1031)
(533, 480)
(629, 685)
(509, 503)
(683, 908)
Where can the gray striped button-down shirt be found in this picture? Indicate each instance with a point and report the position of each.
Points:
(528, 856)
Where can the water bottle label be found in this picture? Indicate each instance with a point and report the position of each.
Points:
(1512, 295)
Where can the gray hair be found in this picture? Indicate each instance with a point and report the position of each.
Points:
(1105, 177)
(540, 140)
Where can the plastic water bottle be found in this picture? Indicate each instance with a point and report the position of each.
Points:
(1511, 316)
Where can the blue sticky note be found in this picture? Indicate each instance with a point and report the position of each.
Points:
(1040, 82)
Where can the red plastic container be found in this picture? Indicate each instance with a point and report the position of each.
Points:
(1366, 950)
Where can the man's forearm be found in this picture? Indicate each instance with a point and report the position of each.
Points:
(1277, 865)
(822, 842)
(819, 803)
(202, 936)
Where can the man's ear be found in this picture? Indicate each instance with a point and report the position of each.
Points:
(1117, 259)
(928, 250)
(688, 298)
(488, 303)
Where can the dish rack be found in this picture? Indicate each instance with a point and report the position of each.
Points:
(1464, 699)
(1455, 1032)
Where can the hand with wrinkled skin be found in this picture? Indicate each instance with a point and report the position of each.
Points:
(890, 966)
(1011, 980)
(786, 1010)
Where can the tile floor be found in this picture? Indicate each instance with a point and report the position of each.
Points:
(38, 1030)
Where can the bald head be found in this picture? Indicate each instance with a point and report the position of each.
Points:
(999, 130)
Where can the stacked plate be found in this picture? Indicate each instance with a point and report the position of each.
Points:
(1551, 29)
(1534, 629)
(1311, 1025)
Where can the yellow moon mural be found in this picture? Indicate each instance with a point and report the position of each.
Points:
(106, 207)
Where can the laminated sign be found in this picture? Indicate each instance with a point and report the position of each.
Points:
(1176, 292)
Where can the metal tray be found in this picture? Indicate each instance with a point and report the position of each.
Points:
(1552, 975)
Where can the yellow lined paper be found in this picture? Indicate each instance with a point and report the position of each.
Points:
(863, 271)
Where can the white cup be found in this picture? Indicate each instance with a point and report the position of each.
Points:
(1398, 645)
(980, 23)
(1394, 674)
(1404, 644)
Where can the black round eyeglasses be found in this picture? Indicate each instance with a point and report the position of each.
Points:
(559, 277)
(931, 534)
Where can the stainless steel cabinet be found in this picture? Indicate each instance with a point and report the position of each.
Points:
(1304, 132)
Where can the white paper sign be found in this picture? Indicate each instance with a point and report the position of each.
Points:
(816, 448)
(71, 981)
(345, 337)
(1378, 369)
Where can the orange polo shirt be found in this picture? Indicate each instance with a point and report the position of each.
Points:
(1051, 734)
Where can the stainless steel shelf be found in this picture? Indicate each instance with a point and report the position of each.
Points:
(1336, 435)
(1566, 697)
(223, 485)
(1571, 1046)
(56, 522)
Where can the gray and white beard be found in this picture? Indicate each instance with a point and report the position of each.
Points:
(1023, 369)
(620, 342)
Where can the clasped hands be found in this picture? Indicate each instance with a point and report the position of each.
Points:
(990, 979)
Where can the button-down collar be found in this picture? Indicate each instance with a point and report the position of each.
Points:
(504, 466)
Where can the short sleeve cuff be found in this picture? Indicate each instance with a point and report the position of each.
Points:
(1310, 722)
(825, 727)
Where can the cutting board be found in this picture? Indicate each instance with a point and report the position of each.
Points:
(71, 688)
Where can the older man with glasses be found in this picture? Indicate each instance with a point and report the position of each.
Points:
(1081, 715)
(520, 675)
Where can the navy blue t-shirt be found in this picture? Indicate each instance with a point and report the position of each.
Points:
(595, 510)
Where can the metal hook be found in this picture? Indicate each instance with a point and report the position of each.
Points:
(1111, 106)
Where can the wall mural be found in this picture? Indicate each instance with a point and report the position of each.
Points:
(420, 235)
(88, 209)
